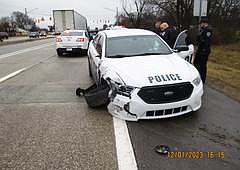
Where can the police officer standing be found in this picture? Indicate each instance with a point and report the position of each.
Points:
(169, 35)
(204, 41)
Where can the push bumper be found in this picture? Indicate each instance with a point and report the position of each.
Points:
(134, 108)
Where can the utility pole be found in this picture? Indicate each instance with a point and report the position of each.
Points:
(26, 18)
(200, 10)
(117, 15)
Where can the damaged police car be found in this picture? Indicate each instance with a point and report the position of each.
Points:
(146, 79)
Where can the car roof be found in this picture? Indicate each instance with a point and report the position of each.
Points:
(127, 32)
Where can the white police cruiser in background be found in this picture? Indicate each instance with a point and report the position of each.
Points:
(72, 41)
(147, 79)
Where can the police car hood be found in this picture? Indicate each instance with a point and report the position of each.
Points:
(139, 71)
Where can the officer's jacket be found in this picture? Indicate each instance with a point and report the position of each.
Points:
(204, 38)
(169, 35)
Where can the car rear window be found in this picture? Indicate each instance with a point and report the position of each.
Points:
(67, 33)
(136, 45)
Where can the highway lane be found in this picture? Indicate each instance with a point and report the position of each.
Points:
(14, 62)
(43, 125)
(19, 46)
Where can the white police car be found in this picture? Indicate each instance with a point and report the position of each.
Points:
(72, 41)
(147, 79)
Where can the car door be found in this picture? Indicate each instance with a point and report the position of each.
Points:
(183, 47)
(95, 54)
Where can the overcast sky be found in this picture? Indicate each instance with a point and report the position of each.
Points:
(94, 10)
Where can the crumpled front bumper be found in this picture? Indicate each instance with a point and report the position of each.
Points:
(134, 108)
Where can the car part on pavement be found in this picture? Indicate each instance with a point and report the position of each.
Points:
(95, 95)
(162, 149)
(80, 92)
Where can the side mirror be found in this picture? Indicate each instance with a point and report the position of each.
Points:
(179, 49)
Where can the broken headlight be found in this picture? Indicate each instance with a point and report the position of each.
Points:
(119, 88)
(126, 90)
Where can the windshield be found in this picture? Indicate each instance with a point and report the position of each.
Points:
(128, 46)
(68, 33)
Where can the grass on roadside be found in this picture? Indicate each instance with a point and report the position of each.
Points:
(224, 69)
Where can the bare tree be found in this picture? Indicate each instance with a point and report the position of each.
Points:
(179, 13)
(224, 15)
(176, 12)
(136, 16)
(21, 20)
(224, 12)
(5, 24)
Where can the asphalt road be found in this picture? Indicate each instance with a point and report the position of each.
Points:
(214, 128)
(44, 125)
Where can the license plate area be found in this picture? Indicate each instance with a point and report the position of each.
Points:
(69, 49)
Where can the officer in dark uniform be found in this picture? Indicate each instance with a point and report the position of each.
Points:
(204, 41)
(168, 34)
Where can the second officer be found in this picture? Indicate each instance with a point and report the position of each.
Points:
(204, 41)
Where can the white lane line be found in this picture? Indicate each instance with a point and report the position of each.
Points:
(125, 155)
(25, 50)
(11, 75)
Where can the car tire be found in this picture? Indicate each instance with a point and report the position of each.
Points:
(59, 52)
(89, 68)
